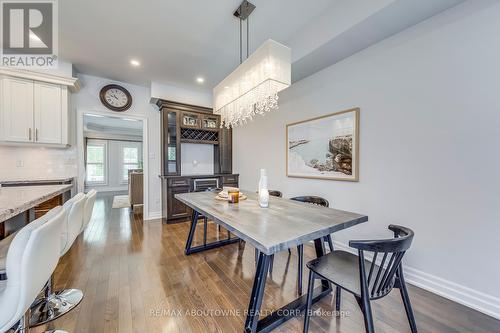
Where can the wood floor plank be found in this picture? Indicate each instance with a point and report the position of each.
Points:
(136, 278)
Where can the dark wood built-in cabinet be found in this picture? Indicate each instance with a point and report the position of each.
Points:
(183, 123)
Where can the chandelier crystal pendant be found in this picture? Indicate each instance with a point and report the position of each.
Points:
(252, 88)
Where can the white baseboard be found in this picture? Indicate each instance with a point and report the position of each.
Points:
(153, 216)
(106, 188)
(471, 298)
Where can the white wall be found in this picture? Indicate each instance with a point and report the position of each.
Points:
(430, 119)
(88, 100)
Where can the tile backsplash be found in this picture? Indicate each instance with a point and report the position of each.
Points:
(32, 163)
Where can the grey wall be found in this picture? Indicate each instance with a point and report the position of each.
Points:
(429, 100)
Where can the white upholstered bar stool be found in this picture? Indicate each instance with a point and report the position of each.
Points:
(57, 303)
(31, 260)
(4, 249)
(89, 207)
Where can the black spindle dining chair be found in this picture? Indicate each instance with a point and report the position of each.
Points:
(366, 280)
(315, 200)
(275, 193)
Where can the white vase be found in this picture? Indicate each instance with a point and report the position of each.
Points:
(264, 198)
(262, 180)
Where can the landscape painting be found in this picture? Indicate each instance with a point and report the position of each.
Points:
(325, 147)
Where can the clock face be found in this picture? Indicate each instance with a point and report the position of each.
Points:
(115, 97)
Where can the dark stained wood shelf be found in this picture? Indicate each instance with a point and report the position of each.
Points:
(183, 123)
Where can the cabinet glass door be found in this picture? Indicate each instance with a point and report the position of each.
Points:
(171, 156)
(210, 123)
(190, 120)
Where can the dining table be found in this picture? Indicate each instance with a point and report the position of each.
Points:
(282, 225)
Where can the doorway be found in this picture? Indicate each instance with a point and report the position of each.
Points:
(112, 157)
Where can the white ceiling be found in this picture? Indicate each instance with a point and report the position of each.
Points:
(112, 125)
(175, 40)
(179, 40)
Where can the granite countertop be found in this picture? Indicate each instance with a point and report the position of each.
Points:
(15, 200)
(36, 181)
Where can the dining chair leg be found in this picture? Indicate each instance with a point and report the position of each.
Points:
(256, 256)
(364, 304)
(271, 264)
(300, 250)
(330, 242)
(406, 300)
(337, 299)
(205, 225)
(308, 310)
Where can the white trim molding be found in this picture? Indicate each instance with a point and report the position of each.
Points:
(153, 216)
(72, 83)
(471, 298)
(145, 150)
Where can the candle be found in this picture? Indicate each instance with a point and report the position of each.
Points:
(233, 196)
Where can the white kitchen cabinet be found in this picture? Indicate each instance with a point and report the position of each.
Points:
(49, 113)
(33, 111)
(17, 110)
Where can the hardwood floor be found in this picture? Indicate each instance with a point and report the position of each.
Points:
(136, 278)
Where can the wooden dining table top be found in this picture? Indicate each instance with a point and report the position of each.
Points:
(284, 224)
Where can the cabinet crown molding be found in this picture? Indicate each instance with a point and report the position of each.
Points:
(72, 83)
(162, 103)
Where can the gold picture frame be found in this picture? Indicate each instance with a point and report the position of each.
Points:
(318, 153)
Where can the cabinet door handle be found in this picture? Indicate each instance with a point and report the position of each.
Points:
(29, 135)
(36, 134)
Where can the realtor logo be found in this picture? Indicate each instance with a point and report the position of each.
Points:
(29, 33)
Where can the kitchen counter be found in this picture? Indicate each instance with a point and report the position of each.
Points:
(44, 181)
(15, 200)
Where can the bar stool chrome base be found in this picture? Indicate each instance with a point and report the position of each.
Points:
(54, 306)
(22, 326)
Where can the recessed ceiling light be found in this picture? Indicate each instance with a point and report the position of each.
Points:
(135, 63)
(199, 79)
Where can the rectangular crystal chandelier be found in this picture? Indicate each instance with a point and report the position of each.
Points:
(252, 88)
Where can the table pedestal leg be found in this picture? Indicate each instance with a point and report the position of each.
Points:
(190, 249)
(259, 284)
(291, 310)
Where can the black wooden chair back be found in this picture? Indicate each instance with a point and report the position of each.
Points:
(275, 193)
(380, 279)
(313, 200)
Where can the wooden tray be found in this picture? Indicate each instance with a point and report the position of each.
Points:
(242, 197)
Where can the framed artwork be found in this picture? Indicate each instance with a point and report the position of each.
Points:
(325, 147)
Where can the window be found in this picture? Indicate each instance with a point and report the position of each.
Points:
(130, 159)
(96, 162)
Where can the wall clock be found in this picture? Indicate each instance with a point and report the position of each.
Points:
(115, 97)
